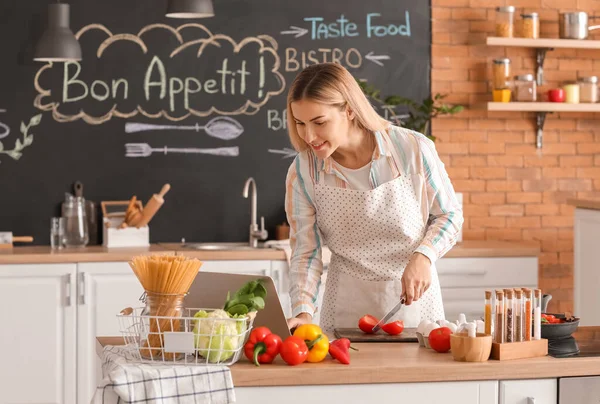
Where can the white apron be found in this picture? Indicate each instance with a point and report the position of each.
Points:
(372, 235)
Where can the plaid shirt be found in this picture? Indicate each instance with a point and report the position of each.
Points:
(417, 156)
(126, 382)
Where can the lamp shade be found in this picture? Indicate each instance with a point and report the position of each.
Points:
(190, 9)
(58, 44)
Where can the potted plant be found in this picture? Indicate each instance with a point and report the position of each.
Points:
(419, 115)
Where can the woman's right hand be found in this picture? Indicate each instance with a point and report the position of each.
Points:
(302, 318)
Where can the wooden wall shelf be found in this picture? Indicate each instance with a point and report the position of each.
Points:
(548, 43)
(543, 107)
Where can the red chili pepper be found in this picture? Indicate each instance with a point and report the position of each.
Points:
(262, 346)
(339, 349)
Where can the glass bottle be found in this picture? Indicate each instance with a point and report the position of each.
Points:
(488, 312)
(75, 222)
(505, 21)
(525, 88)
(588, 89)
(530, 26)
(527, 314)
(510, 316)
(519, 325)
(501, 73)
(500, 324)
(537, 315)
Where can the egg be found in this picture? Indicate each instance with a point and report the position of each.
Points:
(422, 325)
(430, 327)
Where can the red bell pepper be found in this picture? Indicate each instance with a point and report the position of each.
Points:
(339, 349)
(262, 346)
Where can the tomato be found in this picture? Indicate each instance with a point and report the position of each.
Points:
(367, 322)
(294, 350)
(439, 339)
(394, 328)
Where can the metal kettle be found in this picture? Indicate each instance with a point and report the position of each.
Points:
(575, 25)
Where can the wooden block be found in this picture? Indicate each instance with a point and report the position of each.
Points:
(519, 350)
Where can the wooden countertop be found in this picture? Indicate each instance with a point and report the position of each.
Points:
(584, 203)
(44, 255)
(403, 363)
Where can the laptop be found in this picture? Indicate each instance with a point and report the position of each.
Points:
(209, 291)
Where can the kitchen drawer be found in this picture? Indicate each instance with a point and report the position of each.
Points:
(487, 272)
(538, 391)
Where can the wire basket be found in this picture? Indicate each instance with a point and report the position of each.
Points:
(184, 340)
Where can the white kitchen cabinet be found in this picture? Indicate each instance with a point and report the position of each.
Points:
(484, 392)
(261, 268)
(586, 277)
(465, 280)
(103, 290)
(38, 337)
(538, 391)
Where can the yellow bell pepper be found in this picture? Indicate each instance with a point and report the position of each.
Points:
(317, 342)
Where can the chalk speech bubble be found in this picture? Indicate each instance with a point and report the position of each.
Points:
(231, 78)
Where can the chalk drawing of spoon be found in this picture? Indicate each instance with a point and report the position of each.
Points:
(145, 150)
(221, 127)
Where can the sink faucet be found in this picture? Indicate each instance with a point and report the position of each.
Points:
(255, 233)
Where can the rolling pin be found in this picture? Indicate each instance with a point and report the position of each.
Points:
(153, 205)
(7, 239)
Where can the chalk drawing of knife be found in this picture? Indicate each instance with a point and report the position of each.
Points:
(145, 150)
(221, 127)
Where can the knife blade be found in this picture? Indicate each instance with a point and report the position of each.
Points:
(389, 315)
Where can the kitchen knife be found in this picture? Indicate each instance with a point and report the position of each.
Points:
(389, 315)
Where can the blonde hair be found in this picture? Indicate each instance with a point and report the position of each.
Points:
(331, 84)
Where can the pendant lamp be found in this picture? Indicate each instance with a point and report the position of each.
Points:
(58, 44)
(190, 9)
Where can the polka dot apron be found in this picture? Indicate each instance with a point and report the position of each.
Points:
(372, 235)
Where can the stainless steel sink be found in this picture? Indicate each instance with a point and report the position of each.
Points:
(223, 246)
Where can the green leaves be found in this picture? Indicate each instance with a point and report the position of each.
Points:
(17, 152)
(419, 114)
(250, 297)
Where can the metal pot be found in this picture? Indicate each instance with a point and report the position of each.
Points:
(575, 25)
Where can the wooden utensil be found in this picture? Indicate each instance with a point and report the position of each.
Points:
(469, 349)
(153, 205)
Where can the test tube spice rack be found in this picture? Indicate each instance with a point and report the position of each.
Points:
(513, 319)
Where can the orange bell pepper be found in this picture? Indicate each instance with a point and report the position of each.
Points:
(317, 342)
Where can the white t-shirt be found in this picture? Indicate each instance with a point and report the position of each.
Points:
(358, 178)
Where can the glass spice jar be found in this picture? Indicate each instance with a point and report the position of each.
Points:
(530, 26)
(525, 88)
(501, 73)
(505, 21)
(571, 93)
(588, 89)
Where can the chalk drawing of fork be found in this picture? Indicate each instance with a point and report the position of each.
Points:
(145, 150)
(221, 127)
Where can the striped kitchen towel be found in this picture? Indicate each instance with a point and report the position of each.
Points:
(129, 382)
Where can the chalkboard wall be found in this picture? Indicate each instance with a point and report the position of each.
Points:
(216, 86)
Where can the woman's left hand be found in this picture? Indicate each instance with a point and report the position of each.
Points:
(416, 278)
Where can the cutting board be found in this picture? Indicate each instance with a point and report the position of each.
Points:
(356, 335)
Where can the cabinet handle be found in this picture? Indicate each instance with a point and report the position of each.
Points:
(67, 290)
(82, 288)
(530, 400)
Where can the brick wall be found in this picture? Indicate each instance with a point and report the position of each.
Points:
(512, 191)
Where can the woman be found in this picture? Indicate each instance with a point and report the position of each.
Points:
(377, 195)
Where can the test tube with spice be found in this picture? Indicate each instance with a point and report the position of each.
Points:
(510, 316)
(500, 325)
(527, 314)
(537, 315)
(518, 305)
(488, 312)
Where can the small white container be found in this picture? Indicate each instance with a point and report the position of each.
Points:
(127, 237)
